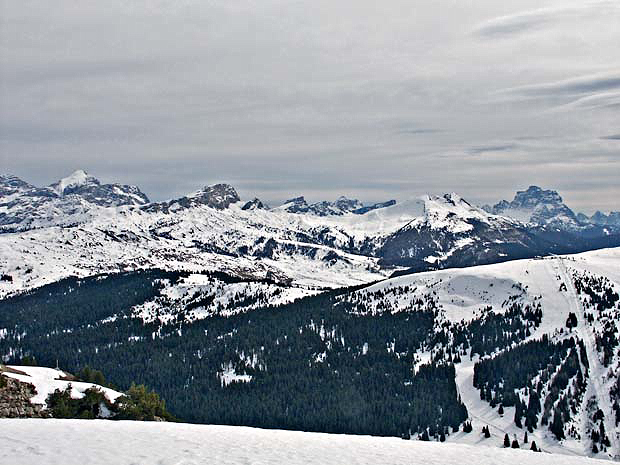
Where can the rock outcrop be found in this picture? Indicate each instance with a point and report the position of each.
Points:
(15, 400)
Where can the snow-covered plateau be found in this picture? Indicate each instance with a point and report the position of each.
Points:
(101, 442)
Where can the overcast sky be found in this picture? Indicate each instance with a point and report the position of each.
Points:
(370, 99)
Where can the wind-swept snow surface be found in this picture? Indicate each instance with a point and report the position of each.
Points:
(95, 442)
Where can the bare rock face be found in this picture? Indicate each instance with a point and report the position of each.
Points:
(218, 196)
(538, 206)
(15, 400)
(254, 204)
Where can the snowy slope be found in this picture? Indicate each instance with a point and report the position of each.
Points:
(209, 296)
(47, 380)
(466, 294)
(77, 442)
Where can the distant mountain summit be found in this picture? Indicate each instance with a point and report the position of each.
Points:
(218, 196)
(105, 195)
(341, 206)
(539, 207)
(601, 219)
(254, 204)
(68, 201)
(11, 185)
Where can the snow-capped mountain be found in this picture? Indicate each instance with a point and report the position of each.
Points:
(538, 206)
(90, 189)
(218, 196)
(71, 200)
(79, 226)
(453, 232)
(341, 206)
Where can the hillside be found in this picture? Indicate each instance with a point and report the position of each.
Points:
(430, 354)
(97, 442)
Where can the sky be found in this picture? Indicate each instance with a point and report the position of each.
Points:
(373, 100)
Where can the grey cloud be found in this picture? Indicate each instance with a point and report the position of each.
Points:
(611, 137)
(415, 131)
(491, 148)
(527, 21)
(581, 85)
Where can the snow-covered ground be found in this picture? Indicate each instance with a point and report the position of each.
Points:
(463, 293)
(47, 380)
(215, 297)
(95, 442)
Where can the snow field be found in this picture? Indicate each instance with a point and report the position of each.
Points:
(101, 442)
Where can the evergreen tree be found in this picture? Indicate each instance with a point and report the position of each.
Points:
(506, 440)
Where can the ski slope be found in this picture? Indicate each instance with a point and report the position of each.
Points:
(101, 442)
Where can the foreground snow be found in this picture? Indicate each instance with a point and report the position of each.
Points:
(73, 442)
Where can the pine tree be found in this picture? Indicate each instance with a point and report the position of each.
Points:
(557, 426)
(525, 441)
(515, 444)
(500, 410)
(533, 447)
(506, 441)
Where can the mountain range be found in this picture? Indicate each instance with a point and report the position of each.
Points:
(80, 226)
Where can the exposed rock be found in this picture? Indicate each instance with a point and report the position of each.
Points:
(254, 204)
(15, 400)
(539, 207)
(219, 196)
(376, 206)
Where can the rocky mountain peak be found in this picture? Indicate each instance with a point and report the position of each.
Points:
(534, 196)
(254, 204)
(10, 185)
(338, 207)
(89, 188)
(601, 219)
(346, 204)
(218, 196)
(73, 182)
(538, 206)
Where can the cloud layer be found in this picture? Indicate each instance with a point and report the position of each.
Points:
(318, 98)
